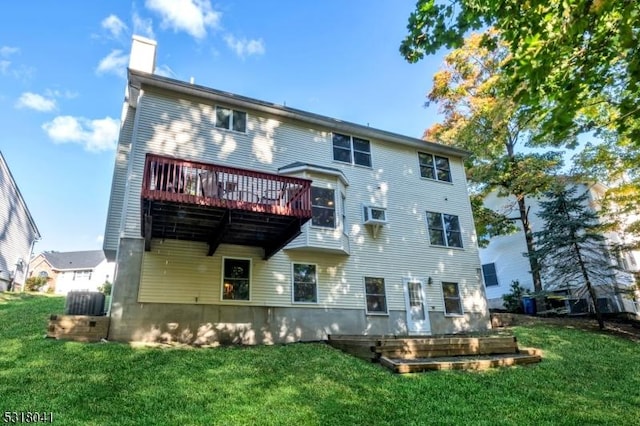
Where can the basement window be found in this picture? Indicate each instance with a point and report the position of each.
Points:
(236, 279)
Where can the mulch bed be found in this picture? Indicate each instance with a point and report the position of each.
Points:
(627, 329)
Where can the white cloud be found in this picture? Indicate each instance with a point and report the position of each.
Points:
(165, 71)
(6, 51)
(4, 66)
(55, 93)
(36, 102)
(114, 25)
(100, 239)
(143, 26)
(114, 63)
(93, 135)
(244, 47)
(191, 16)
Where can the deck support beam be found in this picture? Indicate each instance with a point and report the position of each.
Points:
(148, 227)
(219, 232)
(290, 233)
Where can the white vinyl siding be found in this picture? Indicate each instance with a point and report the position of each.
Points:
(180, 271)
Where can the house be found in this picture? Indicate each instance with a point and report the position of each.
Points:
(72, 271)
(504, 260)
(18, 231)
(237, 220)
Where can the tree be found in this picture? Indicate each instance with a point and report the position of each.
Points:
(480, 115)
(575, 63)
(571, 247)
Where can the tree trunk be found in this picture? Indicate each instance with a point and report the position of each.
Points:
(590, 288)
(528, 236)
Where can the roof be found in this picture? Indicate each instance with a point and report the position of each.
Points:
(74, 259)
(21, 200)
(301, 166)
(138, 78)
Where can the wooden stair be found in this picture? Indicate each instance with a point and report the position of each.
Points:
(404, 354)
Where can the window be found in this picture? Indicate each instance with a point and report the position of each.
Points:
(323, 207)
(434, 167)
(305, 283)
(231, 119)
(452, 301)
(375, 215)
(444, 229)
(489, 273)
(343, 212)
(352, 150)
(236, 279)
(82, 275)
(43, 274)
(376, 296)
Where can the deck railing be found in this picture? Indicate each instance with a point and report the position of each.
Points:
(206, 184)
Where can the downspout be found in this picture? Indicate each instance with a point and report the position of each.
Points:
(26, 271)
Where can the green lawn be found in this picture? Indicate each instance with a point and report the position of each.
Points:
(584, 379)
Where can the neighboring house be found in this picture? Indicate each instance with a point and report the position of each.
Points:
(234, 219)
(504, 260)
(18, 231)
(73, 271)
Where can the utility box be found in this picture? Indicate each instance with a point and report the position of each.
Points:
(85, 303)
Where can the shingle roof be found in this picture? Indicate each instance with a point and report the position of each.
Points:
(74, 259)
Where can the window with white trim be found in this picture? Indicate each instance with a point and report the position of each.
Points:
(444, 229)
(375, 295)
(82, 275)
(351, 149)
(230, 119)
(490, 275)
(323, 207)
(305, 283)
(452, 300)
(434, 167)
(236, 278)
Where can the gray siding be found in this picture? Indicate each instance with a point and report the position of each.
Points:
(118, 184)
(17, 230)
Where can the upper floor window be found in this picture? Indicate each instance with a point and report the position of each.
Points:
(230, 119)
(236, 279)
(352, 150)
(323, 207)
(444, 229)
(434, 167)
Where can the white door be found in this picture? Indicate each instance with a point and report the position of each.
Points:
(417, 313)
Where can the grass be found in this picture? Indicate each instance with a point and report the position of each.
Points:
(585, 378)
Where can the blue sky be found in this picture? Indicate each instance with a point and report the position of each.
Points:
(63, 67)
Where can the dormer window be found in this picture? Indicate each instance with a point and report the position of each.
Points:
(352, 150)
(230, 119)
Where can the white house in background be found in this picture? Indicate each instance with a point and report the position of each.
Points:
(504, 260)
(234, 219)
(18, 231)
(74, 270)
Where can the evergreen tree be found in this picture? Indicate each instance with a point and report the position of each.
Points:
(571, 247)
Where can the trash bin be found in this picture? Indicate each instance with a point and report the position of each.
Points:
(529, 305)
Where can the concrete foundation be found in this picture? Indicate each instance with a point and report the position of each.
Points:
(207, 324)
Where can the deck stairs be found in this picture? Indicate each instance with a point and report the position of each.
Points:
(402, 354)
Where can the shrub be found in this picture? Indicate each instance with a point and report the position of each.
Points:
(35, 283)
(512, 300)
(105, 288)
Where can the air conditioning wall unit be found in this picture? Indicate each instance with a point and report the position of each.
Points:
(373, 215)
